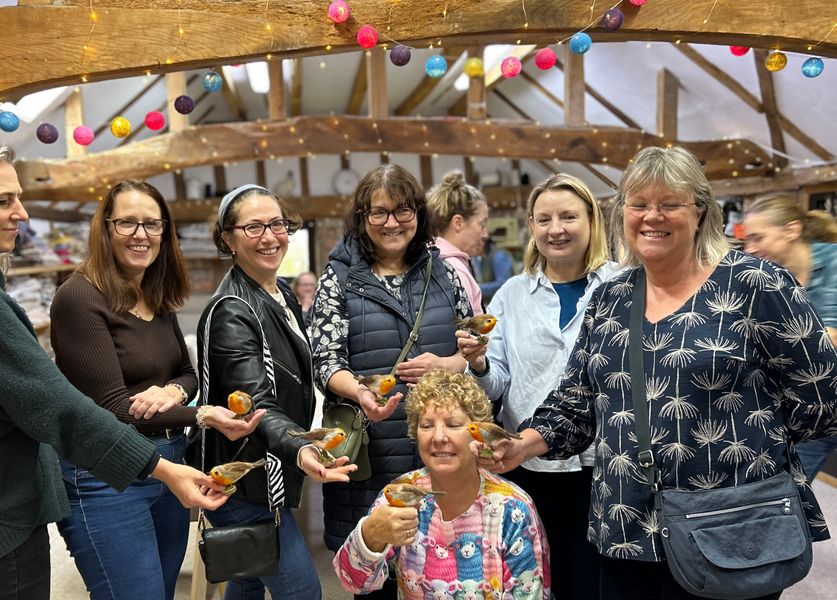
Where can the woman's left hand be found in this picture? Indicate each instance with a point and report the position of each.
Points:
(310, 463)
(224, 421)
(145, 405)
(410, 371)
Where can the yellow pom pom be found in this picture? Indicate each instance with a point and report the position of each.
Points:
(473, 67)
(776, 61)
(120, 127)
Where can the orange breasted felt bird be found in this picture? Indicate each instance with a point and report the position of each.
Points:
(406, 494)
(479, 325)
(379, 384)
(323, 439)
(228, 473)
(241, 403)
(489, 434)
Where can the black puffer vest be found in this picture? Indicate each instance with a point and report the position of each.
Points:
(379, 326)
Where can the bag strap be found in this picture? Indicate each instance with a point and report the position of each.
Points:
(638, 396)
(275, 479)
(413, 337)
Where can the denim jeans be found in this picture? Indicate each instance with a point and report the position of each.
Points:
(814, 454)
(295, 579)
(24, 572)
(129, 544)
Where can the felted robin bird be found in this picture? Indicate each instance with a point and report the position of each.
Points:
(323, 439)
(489, 434)
(407, 494)
(228, 473)
(479, 325)
(380, 384)
(241, 403)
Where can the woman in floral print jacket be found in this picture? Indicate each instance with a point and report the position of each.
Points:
(739, 368)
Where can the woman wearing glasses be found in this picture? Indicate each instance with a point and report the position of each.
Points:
(364, 311)
(738, 368)
(116, 338)
(250, 309)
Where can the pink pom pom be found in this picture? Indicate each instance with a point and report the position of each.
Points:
(155, 120)
(83, 135)
(367, 36)
(739, 50)
(339, 12)
(638, 2)
(511, 66)
(545, 59)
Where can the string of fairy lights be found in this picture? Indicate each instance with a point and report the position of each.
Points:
(610, 18)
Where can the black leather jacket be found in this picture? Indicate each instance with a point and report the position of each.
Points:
(236, 362)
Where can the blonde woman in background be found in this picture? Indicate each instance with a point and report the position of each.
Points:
(460, 213)
(780, 230)
(540, 313)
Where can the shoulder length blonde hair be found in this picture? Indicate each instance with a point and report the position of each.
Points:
(597, 251)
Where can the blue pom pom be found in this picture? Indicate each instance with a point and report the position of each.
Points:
(212, 81)
(436, 66)
(580, 43)
(9, 121)
(812, 67)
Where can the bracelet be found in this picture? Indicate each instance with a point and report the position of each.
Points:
(182, 391)
(200, 416)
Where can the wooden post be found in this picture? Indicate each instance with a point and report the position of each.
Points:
(667, 85)
(476, 108)
(276, 95)
(73, 117)
(304, 184)
(573, 89)
(376, 76)
(220, 180)
(771, 108)
(176, 86)
(426, 171)
(261, 173)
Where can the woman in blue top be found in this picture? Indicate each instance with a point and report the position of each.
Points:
(539, 316)
(780, 230)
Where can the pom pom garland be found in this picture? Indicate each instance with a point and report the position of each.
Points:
(474, 67)
(47, 133)
(83, 135)
(613, 19)
(580, 43)
(339, 12)
(184, 104)
(776, 61)
(400, 55)
(812, 67)
(545, 59)
(9, 121)
(511, 67)
(367, 36)
(212, 81)
(120, 127)
(739, 50)
(155, 120)
(436, 66)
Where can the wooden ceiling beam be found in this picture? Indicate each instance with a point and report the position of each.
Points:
(358, 87)
(73, 117)
(276, 95)
(750, 100)
(176, 86)
(428, 84)
(788, 180)
(49, 36)
(667, 87)
(229, 142)
(376, 75)
(573, 88)
(233, 98)
(476, 107)
(771, 108)
(296, 89)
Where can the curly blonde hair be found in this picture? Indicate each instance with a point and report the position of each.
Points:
(443, 389)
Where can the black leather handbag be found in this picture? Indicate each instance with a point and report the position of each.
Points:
(247, 549)
(727, 543)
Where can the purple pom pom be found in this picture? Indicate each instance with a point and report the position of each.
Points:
(47, 133)
(184, 105)
(400, 55)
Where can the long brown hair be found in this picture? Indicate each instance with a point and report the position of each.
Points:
(405, 190)
(165, 285)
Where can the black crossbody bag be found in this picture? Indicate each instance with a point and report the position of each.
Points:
(728, 543)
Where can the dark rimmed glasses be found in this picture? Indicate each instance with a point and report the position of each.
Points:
(379, 216)
(257, 230)
(153, 228)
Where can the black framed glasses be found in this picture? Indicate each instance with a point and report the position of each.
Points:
(379, 216)
(257, 230)
(153, 228)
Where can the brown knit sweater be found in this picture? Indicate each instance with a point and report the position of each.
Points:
(110, 356)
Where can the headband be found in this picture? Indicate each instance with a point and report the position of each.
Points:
(234, 195)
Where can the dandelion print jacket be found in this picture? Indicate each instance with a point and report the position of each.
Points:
(734, 378)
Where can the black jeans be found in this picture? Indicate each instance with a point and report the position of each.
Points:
(24, 572)
(563, 503)
(638, 580)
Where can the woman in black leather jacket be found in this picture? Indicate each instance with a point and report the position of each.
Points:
(251, 303)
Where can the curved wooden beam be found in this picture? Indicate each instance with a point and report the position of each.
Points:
(49, 37)
(87, 177)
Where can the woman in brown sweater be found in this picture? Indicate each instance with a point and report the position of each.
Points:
(116, 338)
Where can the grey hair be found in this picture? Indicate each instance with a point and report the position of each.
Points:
(677, 169)
(7, 154)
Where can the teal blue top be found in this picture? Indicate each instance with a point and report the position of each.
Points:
(822, 286)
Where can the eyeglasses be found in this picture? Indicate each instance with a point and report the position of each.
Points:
(257, 230)
(402, 214)
(153, 228)
(668, 208)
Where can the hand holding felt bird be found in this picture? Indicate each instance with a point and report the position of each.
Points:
(241, 403)
(479, 326)
(489, 434)
(380, 385)
(228, 473)
(324, 439)
(407, 494)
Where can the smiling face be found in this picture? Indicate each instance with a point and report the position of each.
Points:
(560, 225)
(259, 257)
(392, 238)
(658, 237)
(766, 240)
(134, 253)
(11, 209)
(442, 438)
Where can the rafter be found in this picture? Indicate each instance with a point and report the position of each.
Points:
(667, 88)
(771, 108)
(73, 117)
(427, 84)
(37, 58)
(296, 89)
(358, 87)
(276, 94)
(233, 99)
(492, 79)
(573, 88)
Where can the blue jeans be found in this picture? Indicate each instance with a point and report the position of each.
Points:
(813, 454)
(129, 544)
(295, 578)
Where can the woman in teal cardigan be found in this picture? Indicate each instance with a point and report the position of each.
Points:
(41, 416)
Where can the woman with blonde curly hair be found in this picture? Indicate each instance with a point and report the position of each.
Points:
(474, 531)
